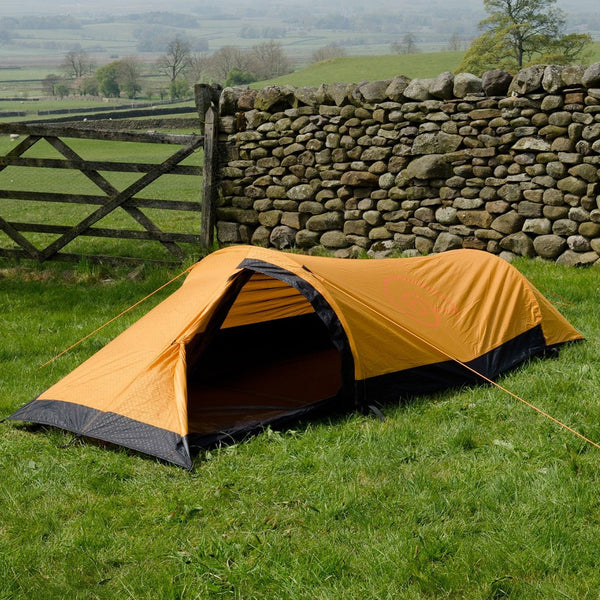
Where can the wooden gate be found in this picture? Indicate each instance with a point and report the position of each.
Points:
(110, 197)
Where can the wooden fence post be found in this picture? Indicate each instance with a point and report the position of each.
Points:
(208, 186)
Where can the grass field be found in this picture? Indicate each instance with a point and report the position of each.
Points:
(465, 494)
(371, 68)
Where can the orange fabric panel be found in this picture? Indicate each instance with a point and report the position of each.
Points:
(403, 313)
(554, 325)
(135, 374)
(266, 299)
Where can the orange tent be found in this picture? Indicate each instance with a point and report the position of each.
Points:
(256, 335)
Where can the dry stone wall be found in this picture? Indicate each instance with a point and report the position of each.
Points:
(505, 164)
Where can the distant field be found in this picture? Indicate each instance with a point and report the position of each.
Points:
(115, 39)
(73, 104)
(25, 82)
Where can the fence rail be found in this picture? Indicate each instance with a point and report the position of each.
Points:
(110, 197)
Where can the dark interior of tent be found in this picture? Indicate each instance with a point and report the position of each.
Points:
(250, 368)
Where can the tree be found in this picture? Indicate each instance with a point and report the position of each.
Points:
(520, 32)
(569, 48)
(327, 52)
(227, 58)
(238, 77)
(455, 43)
(488, 51)
(200, 68)
(176, 59)
(62, 90)
(51, 83)
(77, 63)
(269, 60)
(129, 76)
(408, 45)
(179, 88)
(107, 77)
(231, 63)
(88, 86)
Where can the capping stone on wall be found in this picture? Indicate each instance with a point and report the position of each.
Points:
(505, 164)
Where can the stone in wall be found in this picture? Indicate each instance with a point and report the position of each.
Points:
(466, 84)
(496, 82)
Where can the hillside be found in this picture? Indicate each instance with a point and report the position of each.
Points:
(370, 68)
(373, 68)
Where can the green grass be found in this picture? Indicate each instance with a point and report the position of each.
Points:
(594, 53)
(465, 494)
(371, 68)
(73, 104)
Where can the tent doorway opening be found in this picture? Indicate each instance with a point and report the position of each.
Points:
(271, 357)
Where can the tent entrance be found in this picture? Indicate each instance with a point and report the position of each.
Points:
(251, 373)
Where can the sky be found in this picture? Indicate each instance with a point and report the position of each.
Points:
(75, 7)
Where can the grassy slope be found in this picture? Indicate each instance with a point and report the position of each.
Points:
(594, 53)
(374, 68)
(467, 494)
